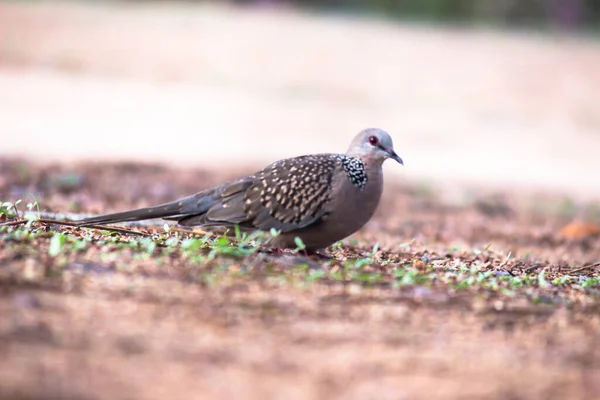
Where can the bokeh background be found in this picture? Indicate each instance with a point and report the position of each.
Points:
(482, 92)
(481, 292)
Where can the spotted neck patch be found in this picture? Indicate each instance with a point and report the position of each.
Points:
(355, 169)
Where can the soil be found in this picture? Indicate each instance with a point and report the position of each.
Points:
(115, 322)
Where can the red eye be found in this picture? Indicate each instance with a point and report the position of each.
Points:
(373, 140)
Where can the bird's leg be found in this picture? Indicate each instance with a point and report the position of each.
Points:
(276, 251)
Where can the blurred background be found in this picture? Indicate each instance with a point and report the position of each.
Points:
(502, 93)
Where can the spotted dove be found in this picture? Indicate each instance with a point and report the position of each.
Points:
(319, 198)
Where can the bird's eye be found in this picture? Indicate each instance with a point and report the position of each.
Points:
(373, 140)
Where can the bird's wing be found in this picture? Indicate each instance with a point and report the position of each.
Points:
(289, 194)
(286, 195)
(226, 206)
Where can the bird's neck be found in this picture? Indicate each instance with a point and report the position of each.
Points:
(361, 170)
(370, 163)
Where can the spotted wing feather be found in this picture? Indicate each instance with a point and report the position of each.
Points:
(291, 194)
(227, 207)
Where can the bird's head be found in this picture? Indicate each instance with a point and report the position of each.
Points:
(374, 146)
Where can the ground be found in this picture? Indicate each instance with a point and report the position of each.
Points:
(477, 278)
(486, 299)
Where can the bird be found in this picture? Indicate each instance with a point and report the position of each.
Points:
(319, 198)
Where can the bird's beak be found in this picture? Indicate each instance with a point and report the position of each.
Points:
(394, 156)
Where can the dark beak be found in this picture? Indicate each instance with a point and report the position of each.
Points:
(394, 156)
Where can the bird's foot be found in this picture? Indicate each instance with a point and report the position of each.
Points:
(277, 252)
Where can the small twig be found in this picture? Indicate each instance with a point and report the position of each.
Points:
(76, 224)
(191, 231)
(13, 223)
(506, 260)
(103, 228)
(16, 209)
(533, 268)
(594, 265)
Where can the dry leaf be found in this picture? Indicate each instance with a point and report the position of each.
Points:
(578, 229)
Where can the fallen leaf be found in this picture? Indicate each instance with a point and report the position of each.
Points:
(578, 230)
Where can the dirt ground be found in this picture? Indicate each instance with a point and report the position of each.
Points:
(108, 320)
(485, 281)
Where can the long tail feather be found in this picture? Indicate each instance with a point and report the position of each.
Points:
(191, 205)
(162, 211)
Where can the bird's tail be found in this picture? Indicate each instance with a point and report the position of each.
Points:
(196, 204)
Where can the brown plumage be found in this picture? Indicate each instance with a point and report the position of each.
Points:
(320, 198)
